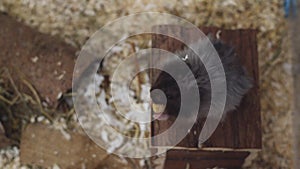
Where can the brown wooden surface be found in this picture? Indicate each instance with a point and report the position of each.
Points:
(44, 146)
(46, 62)
(181, 159)
(241, 129)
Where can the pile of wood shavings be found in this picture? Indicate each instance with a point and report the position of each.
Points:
(138, 94)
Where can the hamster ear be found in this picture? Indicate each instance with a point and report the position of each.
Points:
(214, 38)
(185, 58)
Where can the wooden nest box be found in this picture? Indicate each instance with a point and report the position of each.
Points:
(239, 133)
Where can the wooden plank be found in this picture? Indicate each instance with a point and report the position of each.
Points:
(44, 146)
(241, 128)
(178, 159)
(43, 60)
(115, 162)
